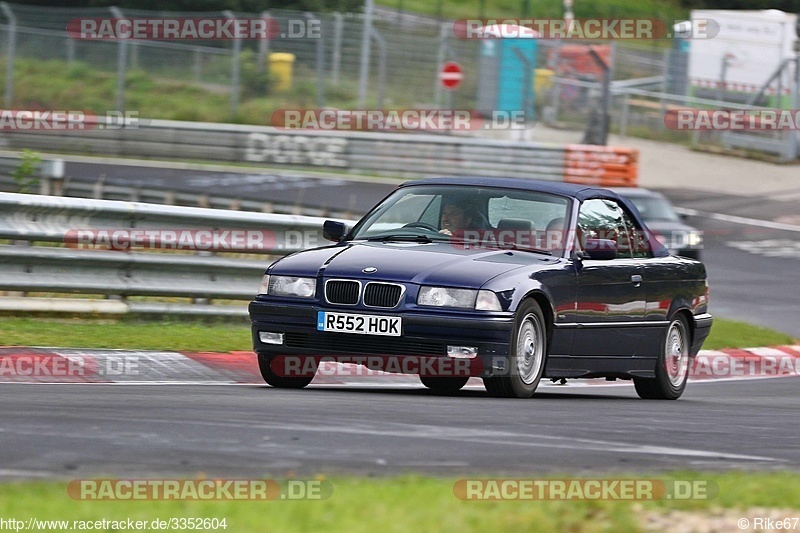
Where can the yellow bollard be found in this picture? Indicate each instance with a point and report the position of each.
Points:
(542, 79)
(280, 68)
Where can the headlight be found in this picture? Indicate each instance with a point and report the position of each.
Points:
(461, 298)
(446, 297)
(290, 286)
(695, 239)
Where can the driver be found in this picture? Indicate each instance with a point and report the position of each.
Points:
(457, 217)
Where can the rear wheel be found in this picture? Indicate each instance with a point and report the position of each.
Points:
(445, 384)
(527, 355)
(672, 369)
(265, 364)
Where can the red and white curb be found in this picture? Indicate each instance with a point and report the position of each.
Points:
(71, 365)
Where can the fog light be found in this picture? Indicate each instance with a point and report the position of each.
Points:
(462, 352)
(267, 337)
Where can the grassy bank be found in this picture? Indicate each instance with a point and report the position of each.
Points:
(410, 503)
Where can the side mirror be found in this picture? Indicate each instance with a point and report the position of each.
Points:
(333, 231)
(602, 249)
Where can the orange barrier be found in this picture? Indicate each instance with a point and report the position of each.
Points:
(604, 166)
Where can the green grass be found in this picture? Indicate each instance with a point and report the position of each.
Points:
(734, 334)
(410, 503)
(124, 334)
(235, 335)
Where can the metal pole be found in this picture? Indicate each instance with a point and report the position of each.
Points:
(198, 63)
(263, 46)
(441, 55)
(722, 75)
(626, 106)
(10, 51)
(363, 77)
(70, 46)
(237, 52)
(320, 64)
(337, 47)
(381, 66)
(122, 59)
(555, 95)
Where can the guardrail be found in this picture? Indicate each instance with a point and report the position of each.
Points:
(79, 267)
(80, 187)
(395, 154)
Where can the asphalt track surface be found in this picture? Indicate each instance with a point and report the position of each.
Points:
(73, 431)
(752, 269)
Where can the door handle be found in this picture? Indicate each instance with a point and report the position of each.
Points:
(636, 279)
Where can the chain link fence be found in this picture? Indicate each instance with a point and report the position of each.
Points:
(381, 59)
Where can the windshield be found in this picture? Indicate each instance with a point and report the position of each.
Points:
(434, 213)
(655, 208)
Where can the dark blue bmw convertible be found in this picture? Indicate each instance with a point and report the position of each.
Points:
(508, 280)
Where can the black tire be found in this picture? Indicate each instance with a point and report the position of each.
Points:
(522, 376)
(672, 369)
(278, 381)
(445, 384)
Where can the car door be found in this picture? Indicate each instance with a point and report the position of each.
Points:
(611, 297)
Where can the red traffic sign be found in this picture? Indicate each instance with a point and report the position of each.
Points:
(451, 75)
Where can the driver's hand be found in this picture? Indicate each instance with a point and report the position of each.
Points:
(446, 231)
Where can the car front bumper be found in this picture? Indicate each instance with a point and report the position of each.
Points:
(425, 335)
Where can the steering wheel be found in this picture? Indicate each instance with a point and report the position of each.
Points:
(423, 225)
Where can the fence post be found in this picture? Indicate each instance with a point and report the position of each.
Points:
(320, 63)
(623, 122)
(10, 51)
(263, 46)
(381, 66)
(198, 63)
(235, 59)
(337, 47)
(122, 59)
(441, 56)
(363, 76)
(70, 46)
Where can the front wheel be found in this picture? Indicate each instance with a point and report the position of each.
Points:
(672, 370)
(527, 355)
(276, 379)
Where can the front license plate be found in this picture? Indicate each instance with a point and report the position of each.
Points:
(363, 324)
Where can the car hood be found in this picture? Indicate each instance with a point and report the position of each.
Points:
(429, 264)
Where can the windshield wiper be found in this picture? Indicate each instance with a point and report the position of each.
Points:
(400, 237)
(514, 246)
